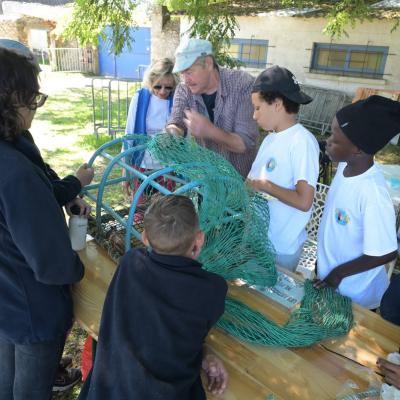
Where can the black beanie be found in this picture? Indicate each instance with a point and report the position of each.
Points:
(370, 123)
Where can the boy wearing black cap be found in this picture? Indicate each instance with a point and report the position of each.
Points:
(357, 233)
(286, 166)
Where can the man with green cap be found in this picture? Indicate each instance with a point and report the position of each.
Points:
(213, 104)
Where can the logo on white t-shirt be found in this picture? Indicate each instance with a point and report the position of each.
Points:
(271, 164)
(341, 216)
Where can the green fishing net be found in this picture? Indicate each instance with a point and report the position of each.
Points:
(235, 220)
(322, 314)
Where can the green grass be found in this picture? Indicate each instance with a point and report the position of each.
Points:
(68, 111)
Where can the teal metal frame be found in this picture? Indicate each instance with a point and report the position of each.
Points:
(95, 191)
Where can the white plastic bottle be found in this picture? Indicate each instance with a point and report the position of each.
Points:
(77, 231)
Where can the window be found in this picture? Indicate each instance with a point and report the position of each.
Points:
(350, 60)
(252, 52)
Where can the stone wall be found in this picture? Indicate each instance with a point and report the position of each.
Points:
(44, 11)
(165, 33)
(17, 27)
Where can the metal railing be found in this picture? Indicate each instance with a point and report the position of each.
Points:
(67, 59)
(110, 100)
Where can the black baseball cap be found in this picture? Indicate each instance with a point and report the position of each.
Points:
(281, 80)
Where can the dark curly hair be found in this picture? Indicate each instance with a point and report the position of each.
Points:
(290, 106)
(18, 87)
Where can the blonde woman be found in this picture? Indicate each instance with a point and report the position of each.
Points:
(149, 111)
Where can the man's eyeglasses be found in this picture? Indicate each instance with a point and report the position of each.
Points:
(38, 101)
(159, 87)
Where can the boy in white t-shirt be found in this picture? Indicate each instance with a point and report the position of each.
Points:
(357, 233)
(286, 166)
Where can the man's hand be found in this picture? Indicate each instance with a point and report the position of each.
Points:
(391, 372)
(199, 125)
(174, 130)
(85, 174)
(216, 374)
(333, 280)
(84, 208)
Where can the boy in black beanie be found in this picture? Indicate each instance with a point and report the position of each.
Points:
(357, 233)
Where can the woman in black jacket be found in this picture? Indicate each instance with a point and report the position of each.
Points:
(37, 264)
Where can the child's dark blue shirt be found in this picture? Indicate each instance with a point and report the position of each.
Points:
(156, 316)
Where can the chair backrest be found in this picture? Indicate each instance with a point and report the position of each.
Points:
(317, 210)
(317, 116)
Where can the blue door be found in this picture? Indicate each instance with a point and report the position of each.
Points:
(129, 64)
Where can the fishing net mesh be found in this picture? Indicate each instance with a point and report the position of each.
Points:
(235, 220)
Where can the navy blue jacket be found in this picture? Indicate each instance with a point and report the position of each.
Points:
(65, 189)
(37, 263)
(156, 316)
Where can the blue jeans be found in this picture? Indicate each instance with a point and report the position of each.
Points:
(28, 371)
(390, 304)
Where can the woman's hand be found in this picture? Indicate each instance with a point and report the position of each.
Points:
(84, 208)
(85, 174)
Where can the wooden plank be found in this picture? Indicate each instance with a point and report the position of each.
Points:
(281, 370)
(316, 372)
(90, 292)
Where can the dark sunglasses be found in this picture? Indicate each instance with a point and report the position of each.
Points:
(38, 101)
(159, 87)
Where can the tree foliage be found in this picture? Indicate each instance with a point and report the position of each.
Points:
(214, 20)
(91, 17)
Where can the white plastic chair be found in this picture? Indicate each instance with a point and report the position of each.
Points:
(306, 265)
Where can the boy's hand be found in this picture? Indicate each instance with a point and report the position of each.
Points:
(258, 184)
(333, 280)
(391, 372)
(251, 183)
(216, 374)
(84, 208)
(85, 174)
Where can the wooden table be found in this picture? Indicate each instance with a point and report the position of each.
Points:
(314, 373)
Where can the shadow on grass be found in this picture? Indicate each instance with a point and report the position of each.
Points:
(50, 154)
